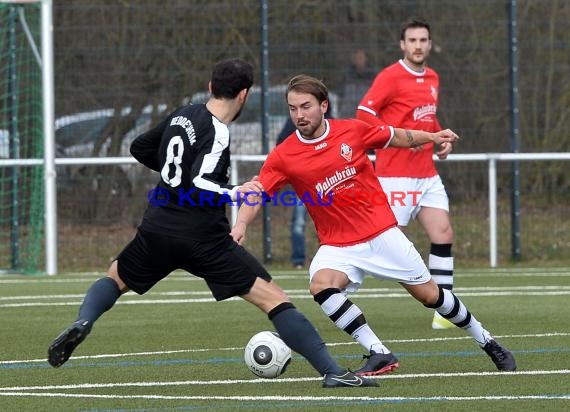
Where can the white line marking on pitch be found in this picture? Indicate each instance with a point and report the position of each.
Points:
(294, 398)
(239, 348)
(131, 299)
(533, 289)
(280, 380)
(292, 274)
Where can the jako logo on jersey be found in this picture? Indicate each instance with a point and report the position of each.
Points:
(423, 111)
(321, 146)
(187, 125)
(323, 188)
(346, 152)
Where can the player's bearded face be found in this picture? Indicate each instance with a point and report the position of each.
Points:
(307, 114)
(416, 45)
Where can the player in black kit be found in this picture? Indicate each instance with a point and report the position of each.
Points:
(189, 230)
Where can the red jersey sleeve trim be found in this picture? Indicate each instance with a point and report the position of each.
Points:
(391, 137)
(367, 110)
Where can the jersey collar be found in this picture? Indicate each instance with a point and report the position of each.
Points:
(418, 74)
(318, 139)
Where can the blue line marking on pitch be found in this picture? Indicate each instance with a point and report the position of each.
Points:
(91, 363)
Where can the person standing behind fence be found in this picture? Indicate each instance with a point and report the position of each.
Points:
(355, 82)
(190, 149)
(405, 94)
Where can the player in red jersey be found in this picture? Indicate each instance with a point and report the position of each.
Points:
(326, 163)
(405, 94)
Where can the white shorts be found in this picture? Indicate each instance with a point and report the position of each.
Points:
(389, 256)
(407, 195)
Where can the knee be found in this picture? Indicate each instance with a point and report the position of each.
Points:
(316, 287)
(441, 233)
(298, 224)
(445, 233)
(448, 233)
(328, 279)
(298, 229)
(318, 284)
(113, 273)
(433, 298)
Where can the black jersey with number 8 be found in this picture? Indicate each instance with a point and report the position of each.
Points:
(191, 151)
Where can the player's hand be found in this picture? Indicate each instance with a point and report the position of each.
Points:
(253, 186)
(443, 150)
(238, 233)
(445, 136)
(250, 190)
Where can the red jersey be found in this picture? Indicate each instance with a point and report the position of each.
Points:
(406, 99)
(334, 178)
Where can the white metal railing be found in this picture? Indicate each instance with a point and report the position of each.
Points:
(490, 158)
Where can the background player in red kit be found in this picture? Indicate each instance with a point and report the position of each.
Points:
(405, 94)
(325, 160)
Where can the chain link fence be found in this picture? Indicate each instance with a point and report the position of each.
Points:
(121, 65)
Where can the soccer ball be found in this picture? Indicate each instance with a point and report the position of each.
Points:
(266, 355)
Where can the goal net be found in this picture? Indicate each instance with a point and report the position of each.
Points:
(21, 137)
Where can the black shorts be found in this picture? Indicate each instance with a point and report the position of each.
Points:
(228, 269)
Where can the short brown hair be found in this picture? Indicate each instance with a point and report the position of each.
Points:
(303, 83)
(413, 23)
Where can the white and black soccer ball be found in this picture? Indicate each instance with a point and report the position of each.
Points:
(266, 355)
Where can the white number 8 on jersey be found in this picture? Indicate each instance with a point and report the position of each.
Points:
(175, 180)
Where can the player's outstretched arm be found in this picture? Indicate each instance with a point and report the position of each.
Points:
(246, 214)
(414, 138)
(249, 195)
